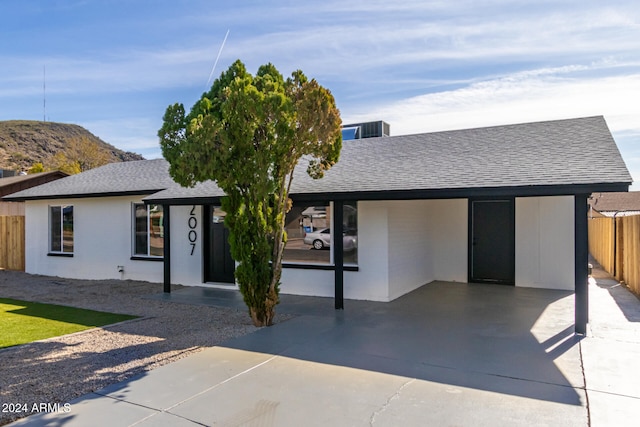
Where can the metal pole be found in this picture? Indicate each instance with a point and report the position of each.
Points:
(166, 211)
(581, 264)
(338, 253)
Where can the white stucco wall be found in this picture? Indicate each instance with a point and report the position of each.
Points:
(448, 231)
(102, 241)
(427, 241)
(372, 280)
(545, 253)
(410, 255)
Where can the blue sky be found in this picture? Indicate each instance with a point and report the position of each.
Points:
(113, 66)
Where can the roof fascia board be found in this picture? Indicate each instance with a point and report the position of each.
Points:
(451, 193)
(462, 193)
(183, 201)
(80, 196)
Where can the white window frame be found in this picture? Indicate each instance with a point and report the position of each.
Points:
(61, 242)
(134, 231)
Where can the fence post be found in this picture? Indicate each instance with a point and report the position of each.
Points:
(619, 254)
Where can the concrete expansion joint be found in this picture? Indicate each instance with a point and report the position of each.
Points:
(386, 404)
(170, 408)
(584, 381)
(156, 410)
(166, 412)
(246, 371)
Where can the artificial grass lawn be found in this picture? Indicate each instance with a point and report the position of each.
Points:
(23, 321)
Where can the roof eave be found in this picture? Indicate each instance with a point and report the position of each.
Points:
(462, 193)
(12, 198)
(445, 193)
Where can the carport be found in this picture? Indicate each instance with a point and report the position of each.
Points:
(505, 273)
(494, 173)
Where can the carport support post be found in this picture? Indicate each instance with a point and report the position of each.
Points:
(166, 250)
(581, 264)
(338, 253)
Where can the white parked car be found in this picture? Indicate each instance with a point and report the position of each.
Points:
(321, 239)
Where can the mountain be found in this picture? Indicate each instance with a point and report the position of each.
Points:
(24, 143)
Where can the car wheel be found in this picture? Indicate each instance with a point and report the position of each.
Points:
(317, 244)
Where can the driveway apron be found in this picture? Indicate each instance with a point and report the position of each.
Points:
(446, 354)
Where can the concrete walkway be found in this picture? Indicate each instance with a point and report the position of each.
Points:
(448, 354)
(611, 354)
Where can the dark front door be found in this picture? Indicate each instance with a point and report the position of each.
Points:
(492, 241)
(218, 264)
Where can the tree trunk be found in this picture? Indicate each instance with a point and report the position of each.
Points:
(263, 316)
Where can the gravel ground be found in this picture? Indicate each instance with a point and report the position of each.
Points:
(58, 370)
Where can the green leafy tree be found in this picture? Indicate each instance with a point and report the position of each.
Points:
(247, 134)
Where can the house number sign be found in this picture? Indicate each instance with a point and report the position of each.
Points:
(193, 234)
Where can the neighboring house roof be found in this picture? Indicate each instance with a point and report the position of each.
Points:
(136, 177)
(13, 184)
(619, 204)
(543, 158)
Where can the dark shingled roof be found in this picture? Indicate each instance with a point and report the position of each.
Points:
(579, 151)
(575, 155)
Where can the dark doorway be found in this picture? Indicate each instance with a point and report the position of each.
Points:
(219, 266)
(492, 241)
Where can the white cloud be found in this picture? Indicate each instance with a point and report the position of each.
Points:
(522, 97)
(537, 95)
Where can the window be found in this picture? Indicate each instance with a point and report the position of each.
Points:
(308, 230)
(350, 236)
(148, 239)
(309, 234)
(61, 229)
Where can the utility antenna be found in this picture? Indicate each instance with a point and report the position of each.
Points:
(44, 93)
(217, 58)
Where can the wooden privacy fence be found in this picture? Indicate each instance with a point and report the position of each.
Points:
(615, 244)
(601, 242)
(12, 242)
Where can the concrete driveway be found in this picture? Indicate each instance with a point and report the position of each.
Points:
(448, 354)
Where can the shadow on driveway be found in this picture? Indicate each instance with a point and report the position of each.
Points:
(515, 341)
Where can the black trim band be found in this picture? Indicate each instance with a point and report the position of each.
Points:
(146, 258)
(328, 267)
(444, 193)
(82, 196)
(60, 254)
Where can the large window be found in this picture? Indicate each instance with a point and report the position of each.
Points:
(148, 239)
(61, 229)
(310, 238)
